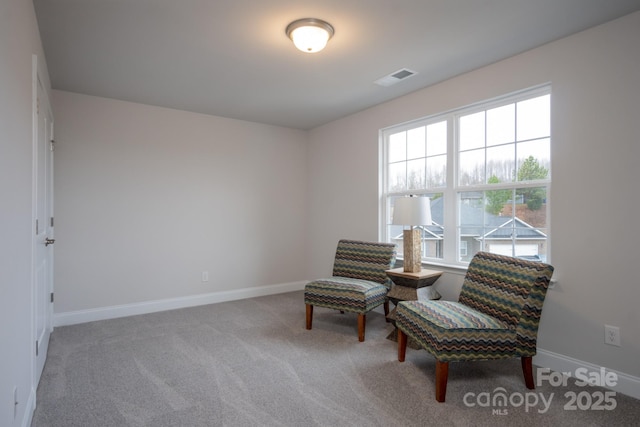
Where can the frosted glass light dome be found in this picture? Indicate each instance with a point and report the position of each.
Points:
(310, 35)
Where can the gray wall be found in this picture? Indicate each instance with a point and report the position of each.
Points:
(147, 198)
(595, 151)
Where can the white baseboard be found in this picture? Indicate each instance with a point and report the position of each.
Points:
(626, 384)
(112, 312)
(30, 407)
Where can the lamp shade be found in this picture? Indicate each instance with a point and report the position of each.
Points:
(412, 211)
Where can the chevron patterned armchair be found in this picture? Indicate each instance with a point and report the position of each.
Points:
(359, 282)
(496, 317)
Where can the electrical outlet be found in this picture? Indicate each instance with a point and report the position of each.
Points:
(205, 276)
(612, 335)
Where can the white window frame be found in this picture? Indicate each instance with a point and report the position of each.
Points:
(452, 190)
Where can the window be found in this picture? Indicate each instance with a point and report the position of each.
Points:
(463, 248)
(487, 172)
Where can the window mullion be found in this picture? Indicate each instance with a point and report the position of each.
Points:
(450, 235)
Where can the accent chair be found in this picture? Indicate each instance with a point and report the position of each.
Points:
(496, 317)
(358, 284)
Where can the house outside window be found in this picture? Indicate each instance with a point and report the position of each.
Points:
(463, 248)
(487, 172)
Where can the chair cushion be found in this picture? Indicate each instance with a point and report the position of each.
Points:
(345, 293)
(452, 331)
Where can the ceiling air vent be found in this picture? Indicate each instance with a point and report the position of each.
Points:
(395, 77)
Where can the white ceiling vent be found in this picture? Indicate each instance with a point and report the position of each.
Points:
(395, 77)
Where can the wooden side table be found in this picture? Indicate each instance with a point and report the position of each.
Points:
(407, 285)
(410, 287)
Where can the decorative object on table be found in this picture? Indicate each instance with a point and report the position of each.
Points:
(412, 211)
(359, 282)
(496, 317)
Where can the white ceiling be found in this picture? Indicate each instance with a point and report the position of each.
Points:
(231, 58)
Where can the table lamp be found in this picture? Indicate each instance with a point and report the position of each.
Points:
(412, 211)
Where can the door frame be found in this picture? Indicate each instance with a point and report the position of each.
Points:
(46, 222)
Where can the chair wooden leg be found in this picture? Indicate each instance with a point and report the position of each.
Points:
(527, 370)
(386, 310)
(309, 315)
(402, 345)
(362, 321)
(442, 373)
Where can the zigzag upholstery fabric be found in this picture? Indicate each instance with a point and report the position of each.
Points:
(452, 331)
(364, 260)
(346, 294)
(496, 316)
(359, 282)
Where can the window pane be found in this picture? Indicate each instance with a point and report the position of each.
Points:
(519, 229)
(437, 171)
(533, 160)
(398, 176)
(472, 131)
(498, 202)
(463, 248)
(416, 174)
(518, 245)
(397, 147)
(542, 246)
(431, 234)
(471, 169)
(471, 224)
(395, 231)
(437, 138)
(534, 118)
(501, 162)
(493, 222)
(531, 203)
(501, 125)
(415, 143)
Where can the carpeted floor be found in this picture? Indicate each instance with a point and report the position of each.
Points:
(252, 363)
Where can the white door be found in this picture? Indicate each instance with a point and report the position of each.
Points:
(43, 227)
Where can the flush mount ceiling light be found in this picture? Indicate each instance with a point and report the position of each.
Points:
(310, 35)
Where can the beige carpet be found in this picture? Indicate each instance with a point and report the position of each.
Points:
(252, 363)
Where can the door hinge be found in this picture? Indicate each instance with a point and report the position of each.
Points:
(51, 296)
(53, 145)
(37, 228)
(37, 347)
(51, 221)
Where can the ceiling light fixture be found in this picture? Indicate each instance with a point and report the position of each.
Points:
(310, 35)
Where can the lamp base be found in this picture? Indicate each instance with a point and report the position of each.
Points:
(412, 251)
